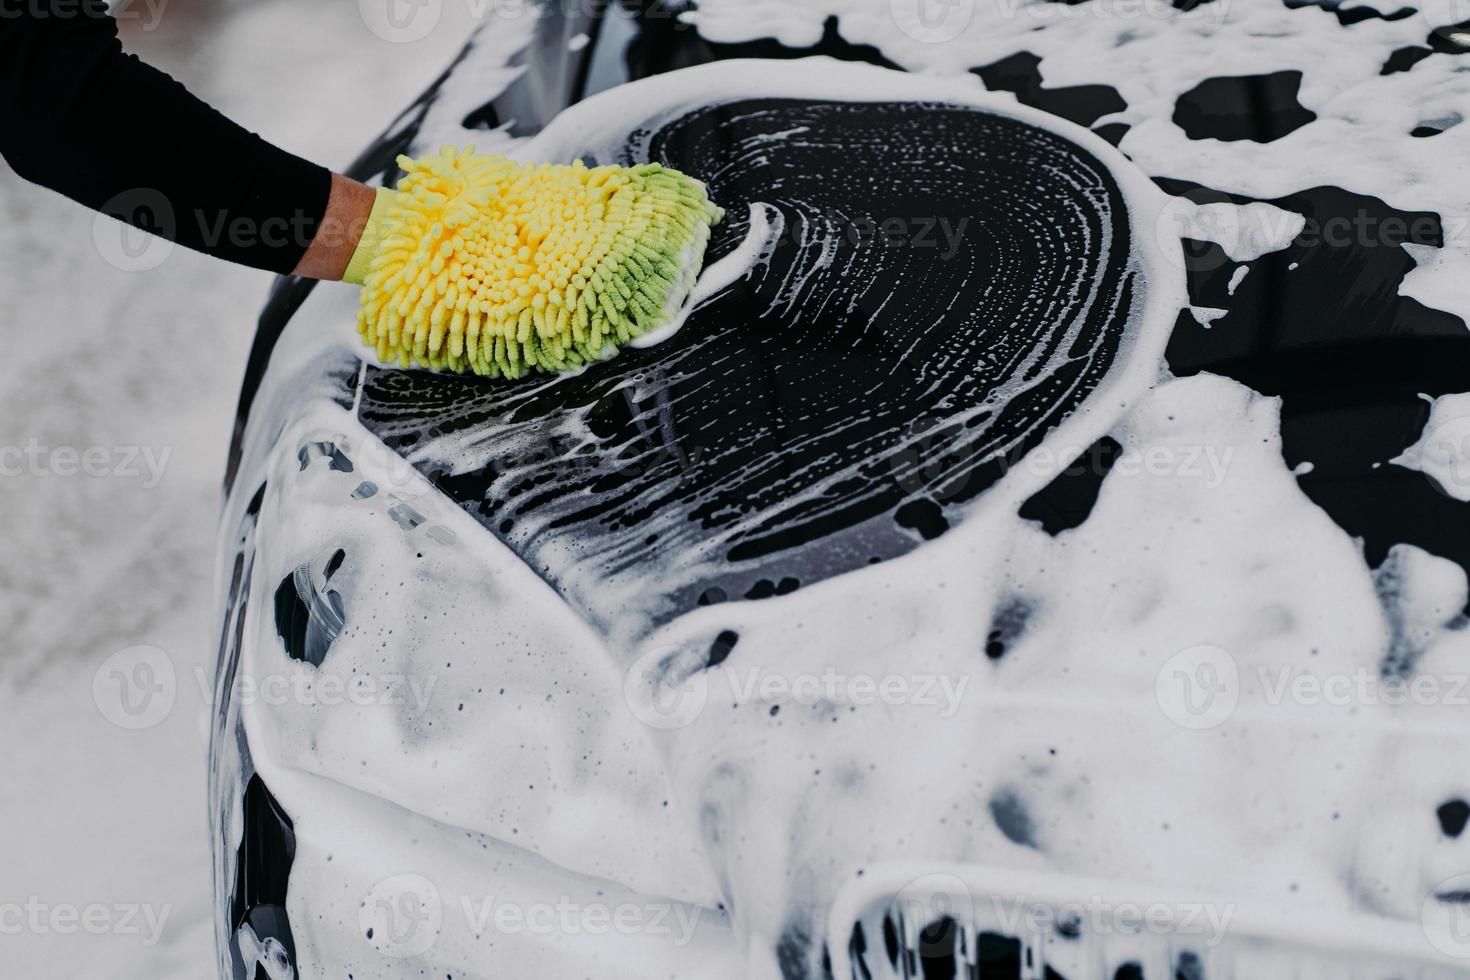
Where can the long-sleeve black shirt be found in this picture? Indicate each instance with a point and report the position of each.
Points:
(79, 116)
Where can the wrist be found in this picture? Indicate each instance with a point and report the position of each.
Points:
(349, 208)
(370, 241)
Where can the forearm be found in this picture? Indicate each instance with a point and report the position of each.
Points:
(339, 231)
(83, 118)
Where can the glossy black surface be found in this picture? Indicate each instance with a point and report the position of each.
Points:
(681, 433)
(861, 378)
(1330, 335)
(1020, 74)
(1260, 108)
(262, 875)
(1322, 325)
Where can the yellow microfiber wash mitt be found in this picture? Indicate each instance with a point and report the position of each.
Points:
(479, 263)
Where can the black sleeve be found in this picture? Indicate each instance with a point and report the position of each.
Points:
(79, 116)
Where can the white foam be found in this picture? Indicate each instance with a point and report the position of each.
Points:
(720, 275)
(1236, 278)
(1152, 54)
(725, 792)
(1205, 316)
(1442, 451)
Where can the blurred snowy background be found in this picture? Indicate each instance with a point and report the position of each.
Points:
(142, 369)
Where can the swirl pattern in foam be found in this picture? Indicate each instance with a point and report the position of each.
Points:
(939, 275)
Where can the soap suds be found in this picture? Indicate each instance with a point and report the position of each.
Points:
(1205, 316)
(720, 274)
(512, 744)
(1442, 451)
(1152, 53)
(1235, 279)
